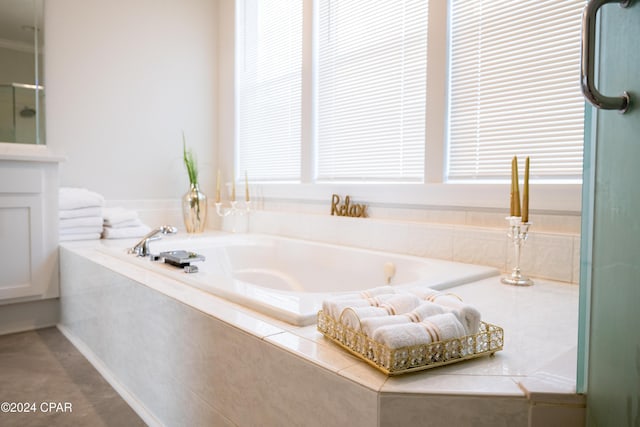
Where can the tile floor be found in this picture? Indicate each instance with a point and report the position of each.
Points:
(44, 370)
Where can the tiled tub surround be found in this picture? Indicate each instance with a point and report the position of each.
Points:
(184, 357)
(471, 235)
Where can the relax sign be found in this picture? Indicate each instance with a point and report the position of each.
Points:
(347, 208)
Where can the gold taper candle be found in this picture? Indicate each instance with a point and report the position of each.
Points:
(233, 187)
(525, 193)
(516, 188)
(512, 206)
(246, 186)
(218, 187)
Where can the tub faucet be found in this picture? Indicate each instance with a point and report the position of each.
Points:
(142, 247)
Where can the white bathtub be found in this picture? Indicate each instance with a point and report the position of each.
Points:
(288, 278)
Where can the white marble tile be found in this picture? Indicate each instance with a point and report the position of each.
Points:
(548, 256)
(459, 411)
(431, 241)
(436, 381)
(557, 416)
(477, 246)
(332, 358)
(364, 374)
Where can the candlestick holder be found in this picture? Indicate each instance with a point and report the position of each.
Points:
(234, 211)
(518, 233)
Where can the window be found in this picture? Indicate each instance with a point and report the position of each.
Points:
(368, 98)
(371, 92)
(514, 88)
(270, 89)
(432, 93)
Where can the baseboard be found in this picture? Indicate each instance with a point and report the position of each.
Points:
(29, 316)
(139, 408)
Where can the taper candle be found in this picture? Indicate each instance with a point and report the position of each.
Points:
(525, 193)
(246, 186)
(516, 188)
(233, 187)
(512, 206)
(218, 187)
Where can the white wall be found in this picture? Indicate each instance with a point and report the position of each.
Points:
(124, 79)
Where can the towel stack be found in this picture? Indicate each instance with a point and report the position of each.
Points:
(120, 223)
(80, 214)
(401, 318)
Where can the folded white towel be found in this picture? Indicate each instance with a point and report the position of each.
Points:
(80, 212)
(434, 328)
(86, 221)
(423, 311)
(125, 232)
(81, 230)
(84, 236)
(130, 223)
(120, 217)
(75, 198)
(467, 314)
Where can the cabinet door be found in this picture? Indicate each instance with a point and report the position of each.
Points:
(22, 233)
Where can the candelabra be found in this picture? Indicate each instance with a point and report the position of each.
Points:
(234, 211)
(518, 233)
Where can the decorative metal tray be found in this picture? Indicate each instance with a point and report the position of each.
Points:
(487, 341)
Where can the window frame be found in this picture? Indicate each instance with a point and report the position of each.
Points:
(546, 196)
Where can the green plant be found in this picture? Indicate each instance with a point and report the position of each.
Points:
(190, 162)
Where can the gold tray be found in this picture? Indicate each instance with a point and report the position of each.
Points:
(486, 342)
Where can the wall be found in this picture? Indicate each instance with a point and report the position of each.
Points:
(16, 66)
(124, 79)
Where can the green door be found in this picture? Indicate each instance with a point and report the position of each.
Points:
(609, 343)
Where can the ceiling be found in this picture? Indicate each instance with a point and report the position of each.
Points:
(14, 16)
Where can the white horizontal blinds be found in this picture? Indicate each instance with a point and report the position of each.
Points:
(270, 88)
(514, 88)
(371, 90)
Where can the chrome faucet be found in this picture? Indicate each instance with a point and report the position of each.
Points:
(142, 247)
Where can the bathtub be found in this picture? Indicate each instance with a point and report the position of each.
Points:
(287, 279)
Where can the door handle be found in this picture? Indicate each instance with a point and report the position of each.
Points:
(587, 66)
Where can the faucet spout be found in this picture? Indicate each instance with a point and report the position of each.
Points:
(141, 248)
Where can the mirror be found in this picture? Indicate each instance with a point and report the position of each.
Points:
(21, 59)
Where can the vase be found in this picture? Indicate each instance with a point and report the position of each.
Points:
(194, 209)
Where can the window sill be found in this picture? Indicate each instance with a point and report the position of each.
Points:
(544, 198)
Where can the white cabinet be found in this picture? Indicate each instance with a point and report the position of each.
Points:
(28, 224)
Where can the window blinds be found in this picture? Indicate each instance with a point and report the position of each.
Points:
(371, 90)
(270, 89)
(514, 88)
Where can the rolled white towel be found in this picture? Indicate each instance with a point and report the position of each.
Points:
(403, 335)
(120, 217)
(370, 324)
(75, 198)
(91, 211)
(467, 314)
(398, 303)
(125, 232)
(88, 221)
(367, 293)
(423, 292)
(435, 328)
(354, 316)
(334, 306)
(447, 324)
(423, 311)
